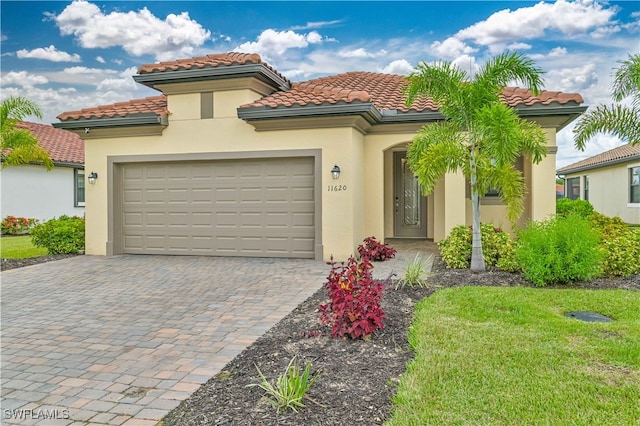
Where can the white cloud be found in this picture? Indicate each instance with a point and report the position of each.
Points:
(573, 79)
(569, 18)
(22, 79)
(124, 81)
(271, 45)
(100, 59)
(318, 24)
(519, 46)
(138, 33)
(399, 66)
(361, 53)
(49, 54)
(557, 52)
(451, 48)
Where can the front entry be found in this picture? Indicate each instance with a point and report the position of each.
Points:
(410, 208)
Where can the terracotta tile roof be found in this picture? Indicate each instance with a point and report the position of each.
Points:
(385, 91)
(208, 61)
(62, 145)
(602, 159)
(515, 96)
(154, 104)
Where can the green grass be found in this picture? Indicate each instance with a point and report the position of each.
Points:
(19, 248)
(509, 356)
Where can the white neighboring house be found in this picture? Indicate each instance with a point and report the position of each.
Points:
(33, 192)
(610, 181)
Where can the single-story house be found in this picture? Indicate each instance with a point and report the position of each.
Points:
(234, 159)
(610, 181)
(33, 192)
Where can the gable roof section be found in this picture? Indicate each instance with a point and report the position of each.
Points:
(211, 67)
(621, 154)
(385, 93)
(64, 147)
(375, 96)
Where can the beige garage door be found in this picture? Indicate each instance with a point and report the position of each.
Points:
(252, 207)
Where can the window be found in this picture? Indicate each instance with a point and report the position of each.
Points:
(586, 188)
(78, 187)
(634, 185)
(573, 188)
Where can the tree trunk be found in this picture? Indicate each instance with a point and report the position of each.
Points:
(477, 259)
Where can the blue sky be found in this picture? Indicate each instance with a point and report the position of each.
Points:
(71, 55)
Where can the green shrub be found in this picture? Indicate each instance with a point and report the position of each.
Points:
(566, 207)
(455, 250)
(620, 245)
(560, 250)
(60, 236)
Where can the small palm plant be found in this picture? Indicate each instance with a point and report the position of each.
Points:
(290, 387)
(416, 272)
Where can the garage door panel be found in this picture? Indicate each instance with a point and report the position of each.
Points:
(262, 207)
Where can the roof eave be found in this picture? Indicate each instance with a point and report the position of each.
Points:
(142, 119)
(598, 165)
(259, 71)
(365, 109)
(570, 110)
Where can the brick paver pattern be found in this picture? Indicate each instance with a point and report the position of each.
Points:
(123, 340)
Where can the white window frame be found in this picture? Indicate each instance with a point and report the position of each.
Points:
(77, 173)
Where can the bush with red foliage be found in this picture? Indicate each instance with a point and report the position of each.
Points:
(354, 308)
(375, 250)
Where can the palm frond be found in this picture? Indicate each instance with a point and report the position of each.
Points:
(618, 120)
(508, 67)
(627, 79)
(436, 81)
(436, 149)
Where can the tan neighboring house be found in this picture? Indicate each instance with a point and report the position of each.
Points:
(33, 192)
(610, 181)
(234, 159)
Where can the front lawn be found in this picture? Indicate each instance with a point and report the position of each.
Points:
(19, 247)
(509, 356)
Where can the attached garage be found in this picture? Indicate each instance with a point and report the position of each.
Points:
(261, 207)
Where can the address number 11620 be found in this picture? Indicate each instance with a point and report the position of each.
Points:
(335, 188)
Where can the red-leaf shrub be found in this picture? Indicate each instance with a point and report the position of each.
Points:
(375, 250)
(354, 308)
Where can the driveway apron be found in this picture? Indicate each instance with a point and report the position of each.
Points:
(124, 339)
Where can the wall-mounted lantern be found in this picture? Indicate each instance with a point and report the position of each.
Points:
(335, 172)
(93, 177)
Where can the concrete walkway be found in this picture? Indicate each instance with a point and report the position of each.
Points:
(123, 340)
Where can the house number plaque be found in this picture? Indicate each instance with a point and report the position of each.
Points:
(335, 188)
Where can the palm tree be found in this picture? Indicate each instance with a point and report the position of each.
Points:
(19, 146)
(620, 120)
(481, 135)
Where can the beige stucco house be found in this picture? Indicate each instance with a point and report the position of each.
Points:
(610, 181)
(234, 159)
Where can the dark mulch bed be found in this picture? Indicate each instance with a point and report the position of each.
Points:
(358, 378)
(19, 263)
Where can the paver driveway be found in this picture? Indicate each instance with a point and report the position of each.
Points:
(122, 340)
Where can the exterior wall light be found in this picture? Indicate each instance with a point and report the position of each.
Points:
(93, 177)
(335, 172)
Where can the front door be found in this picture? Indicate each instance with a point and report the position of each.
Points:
(410, 208)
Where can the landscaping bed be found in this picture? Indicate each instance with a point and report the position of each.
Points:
(357, 378)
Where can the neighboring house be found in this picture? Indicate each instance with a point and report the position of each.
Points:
(33, 192)
(234, 159)
(610, 181)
